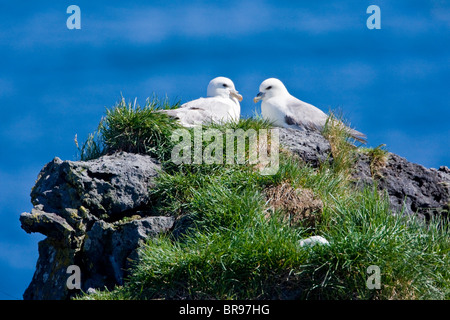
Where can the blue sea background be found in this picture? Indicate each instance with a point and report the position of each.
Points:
(392, 83)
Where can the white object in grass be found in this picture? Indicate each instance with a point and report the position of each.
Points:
(312, 241)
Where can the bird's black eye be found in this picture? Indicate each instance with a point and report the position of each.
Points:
(269, 87)
(225, 85)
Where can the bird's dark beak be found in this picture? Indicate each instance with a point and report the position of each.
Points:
(258, 97)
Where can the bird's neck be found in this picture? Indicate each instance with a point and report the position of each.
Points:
(235, 100)
(236, 109)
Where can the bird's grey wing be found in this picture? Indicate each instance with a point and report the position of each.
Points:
(186, 117)
(298, 124)
(304, 115)
(359, 136)
(194, 104)
(200, 111)
(214, 109)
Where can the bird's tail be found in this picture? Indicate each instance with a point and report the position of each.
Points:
(173, 113)
(361, 137)
(335, 122)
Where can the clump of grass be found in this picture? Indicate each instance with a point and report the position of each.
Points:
(342, 150)
(230, 136)
(411, 255)
(378, 159)
(92, 148)
(256, 123)
(296, 205)
(131, 128)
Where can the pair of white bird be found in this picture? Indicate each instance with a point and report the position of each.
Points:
(278, 106)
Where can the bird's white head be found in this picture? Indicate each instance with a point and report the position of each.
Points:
(223, 87)
(270, 88)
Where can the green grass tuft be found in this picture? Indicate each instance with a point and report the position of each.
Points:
(92, 148)
(378, 158)
(131, 128)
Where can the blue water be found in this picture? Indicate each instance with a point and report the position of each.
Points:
(392, 84)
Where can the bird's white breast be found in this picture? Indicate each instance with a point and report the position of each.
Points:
(273, 111)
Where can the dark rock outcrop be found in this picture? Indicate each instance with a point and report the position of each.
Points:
(411, 188)
(310, 146)
(95, 215)
(108, 186)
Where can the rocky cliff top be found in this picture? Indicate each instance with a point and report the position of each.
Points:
(96, 213)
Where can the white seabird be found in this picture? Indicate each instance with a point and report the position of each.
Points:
(221, 105)
(286, 111)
